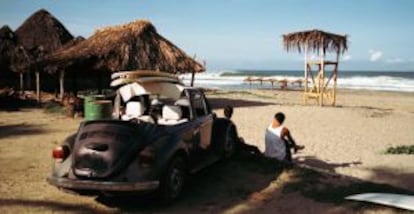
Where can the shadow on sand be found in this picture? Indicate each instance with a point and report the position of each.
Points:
(393, 177)
(10, 103)
(219, 103)
(20, 129)
(321, 184)
(216, 188)
(225, 185)
(313, 162)
(30, 205)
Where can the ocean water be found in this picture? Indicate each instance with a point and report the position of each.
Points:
(370, 80)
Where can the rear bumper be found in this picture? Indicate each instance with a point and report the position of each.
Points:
(102, 185)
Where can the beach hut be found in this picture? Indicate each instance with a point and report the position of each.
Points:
(132, 46)
(8, 45)
(8, 42)
(319, 42)
(40, 34)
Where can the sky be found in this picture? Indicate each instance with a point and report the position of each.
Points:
(247, 34)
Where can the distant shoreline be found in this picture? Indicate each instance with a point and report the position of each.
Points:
(235, 79)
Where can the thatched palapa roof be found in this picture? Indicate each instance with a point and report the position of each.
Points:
(316, 41)
(8, 43)
(43, 29)
(13, 56)
(132, 46)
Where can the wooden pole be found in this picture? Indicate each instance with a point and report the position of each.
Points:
(38, 86)
(61, 84)
(335, 77)
(192, 78)
(306, 75)
(322, 79)
(21, 82)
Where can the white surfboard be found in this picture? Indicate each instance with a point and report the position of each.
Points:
(393, 200)
(141, 73)
(142, 77)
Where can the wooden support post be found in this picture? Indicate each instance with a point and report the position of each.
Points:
(335, 76)
(305, 96)
(38, 86)
(61, 84)
(334, 88)
(192, 78)
(21, 82)
(322, 79)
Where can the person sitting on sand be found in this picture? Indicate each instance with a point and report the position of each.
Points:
(228, 112)
(241, 145)
(279, 141)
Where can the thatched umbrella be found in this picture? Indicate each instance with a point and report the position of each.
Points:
(41, 34)
(8, 42)
(316, 41)
(43, 29)
(14, 58)
(132, 46)
(319, 42)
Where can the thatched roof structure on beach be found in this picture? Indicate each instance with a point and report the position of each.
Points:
(13, 56)
(132, 46)
(43, 29)
(316, 41)
(8, 43)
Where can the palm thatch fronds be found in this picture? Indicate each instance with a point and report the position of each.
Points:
(8, 42)
(316, 41)
(43, 29)
(132, 46)
(13, 56)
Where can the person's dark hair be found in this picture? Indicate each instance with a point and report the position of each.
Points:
(280, 117)
(228, 112)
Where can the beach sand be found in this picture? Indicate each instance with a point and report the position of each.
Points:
(349, 139)
(347, 142)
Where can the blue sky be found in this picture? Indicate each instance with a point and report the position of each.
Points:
(246, 34)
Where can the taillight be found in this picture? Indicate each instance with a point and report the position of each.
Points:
(60, 153)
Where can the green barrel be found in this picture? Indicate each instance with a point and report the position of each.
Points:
(96, 108)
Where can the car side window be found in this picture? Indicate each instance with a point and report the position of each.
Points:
(199, 105)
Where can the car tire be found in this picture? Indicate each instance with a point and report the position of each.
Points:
(229, 142)
(173, 180)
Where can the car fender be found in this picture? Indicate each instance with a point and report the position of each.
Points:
(167, 149)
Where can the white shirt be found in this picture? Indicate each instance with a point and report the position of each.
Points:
(275, 147)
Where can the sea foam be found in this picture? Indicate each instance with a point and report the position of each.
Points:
(385, 81)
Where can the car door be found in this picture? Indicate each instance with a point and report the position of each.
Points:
(203, 117)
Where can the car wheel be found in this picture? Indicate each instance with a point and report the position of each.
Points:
(173, 180)
(229, 143)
